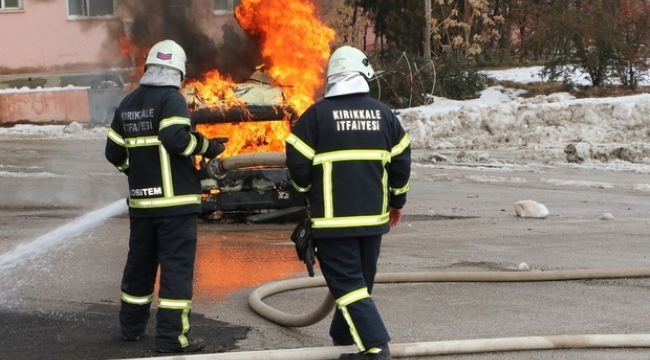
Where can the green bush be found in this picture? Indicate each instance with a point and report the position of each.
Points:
(458, 78)
(495, 58)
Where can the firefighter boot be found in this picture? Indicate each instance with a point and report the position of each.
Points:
(377, 353)
(195, 344)
(132, 337)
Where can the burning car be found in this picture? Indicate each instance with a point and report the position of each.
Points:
(248, 181)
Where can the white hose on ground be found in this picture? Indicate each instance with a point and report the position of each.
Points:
(440, 347)
(291, 320)
(470, 346)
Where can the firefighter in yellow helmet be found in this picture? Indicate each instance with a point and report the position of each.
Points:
(150, 140)
(351, 156)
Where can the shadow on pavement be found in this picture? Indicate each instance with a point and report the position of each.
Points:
(93, 333)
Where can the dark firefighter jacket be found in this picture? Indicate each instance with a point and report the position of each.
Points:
(150, 140)
(352, 157)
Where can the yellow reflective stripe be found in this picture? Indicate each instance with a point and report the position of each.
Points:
(402, 190)
(204, 147)
(185, 306)
(165, 202)
(399, 148)
(191, 146)
(328, 191)
(174, 304)
(115, 137)
(303, 148)
(300, 189)
(384, 189)
(327, 160)
(123, 167)
(353, 328)
(349, 221)
(142, 141)
(349, 155)
(185, 323)
(353, 296)
(346, 300)
(166, 172)
(176, 120)
(136, 300)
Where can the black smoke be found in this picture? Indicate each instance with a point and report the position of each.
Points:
(234, 53)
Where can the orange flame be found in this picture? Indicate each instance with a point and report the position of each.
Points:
(133, 54)
(295, 45)
(248, 137)
(216, 91)
(295, 48)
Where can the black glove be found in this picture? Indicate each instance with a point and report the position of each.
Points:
(215, 147)
(301, 236)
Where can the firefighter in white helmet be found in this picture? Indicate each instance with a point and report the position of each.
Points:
(350, 155)
(150, 140)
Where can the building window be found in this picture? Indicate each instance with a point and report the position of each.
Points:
(90, 7)
(11, 4)
(225, 6)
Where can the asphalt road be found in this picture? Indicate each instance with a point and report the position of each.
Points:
(59, 297)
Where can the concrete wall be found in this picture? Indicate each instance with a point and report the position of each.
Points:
(63, 106)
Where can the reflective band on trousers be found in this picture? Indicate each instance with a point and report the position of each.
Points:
(185, 320)
(343, 303)
(174, 304)
(136, 300)
(185, 306)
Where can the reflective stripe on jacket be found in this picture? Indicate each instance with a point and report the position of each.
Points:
(150, 139)
(352, 157)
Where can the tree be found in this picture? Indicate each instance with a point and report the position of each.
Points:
(463, 27)
(602, 38)
(633, 47)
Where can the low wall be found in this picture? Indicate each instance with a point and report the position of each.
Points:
(40, 106)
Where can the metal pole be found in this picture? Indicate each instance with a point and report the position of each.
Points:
(427, 29)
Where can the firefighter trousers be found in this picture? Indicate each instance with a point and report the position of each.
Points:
(168, 242)
(349, 266)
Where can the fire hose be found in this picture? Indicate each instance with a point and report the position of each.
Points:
(471, 346)
(218, 167)
(457, 346)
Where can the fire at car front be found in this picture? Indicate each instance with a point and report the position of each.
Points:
(248, 181)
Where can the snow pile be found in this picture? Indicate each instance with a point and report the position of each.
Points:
(603, 127)
(38, 89)
(73, 131)
(499, 126)
(527, 122)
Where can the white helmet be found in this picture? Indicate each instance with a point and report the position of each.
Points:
(168, 53)
(346, 59)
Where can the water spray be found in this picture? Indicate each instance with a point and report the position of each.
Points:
(41, 244)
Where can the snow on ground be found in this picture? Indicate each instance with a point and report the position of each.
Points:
(500, 126)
